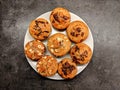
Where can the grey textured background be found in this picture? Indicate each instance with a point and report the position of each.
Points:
(103, 18)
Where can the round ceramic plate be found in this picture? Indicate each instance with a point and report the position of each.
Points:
(88, 41)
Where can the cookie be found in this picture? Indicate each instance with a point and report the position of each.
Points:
(40, 29)
(60, 18)
(67, 69)
(81, 53)
(34, 49)
(58, 44)
(77, 31)
(47, 66)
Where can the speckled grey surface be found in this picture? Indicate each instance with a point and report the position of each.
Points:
(103, 18)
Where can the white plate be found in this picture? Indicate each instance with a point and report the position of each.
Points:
(88, 41)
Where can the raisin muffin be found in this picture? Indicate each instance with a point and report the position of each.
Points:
(60, 18)
(40, 29)
(67, 69)
(81, 53)
(34, 49)
(47, 66)
(58, 44)
(77, 31)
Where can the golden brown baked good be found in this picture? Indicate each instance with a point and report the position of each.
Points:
(40, 29)
(47, 66)
(34, 49)
(60, 18)
(58, 44)
(77, 31)
(67, 69)
(81, 53)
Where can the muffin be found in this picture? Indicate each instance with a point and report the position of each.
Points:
(58, 44)
(81, 53)
(40, 29)
(47, 66)
(67, 69)
(60, 18)
(77, 31)
(34, 49)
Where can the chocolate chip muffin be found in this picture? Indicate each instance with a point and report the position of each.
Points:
(81, 53)
(77, 31)
(67, 69)
(40, 29)
(60, 18)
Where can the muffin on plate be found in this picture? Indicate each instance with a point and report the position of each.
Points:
(60, 18)
(67, 69)
(81, 53)
(40, 29)
(58, 44)
(34, 49)
(47, 66)
(77, 31)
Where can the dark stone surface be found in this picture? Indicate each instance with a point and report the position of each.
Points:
(102, 16)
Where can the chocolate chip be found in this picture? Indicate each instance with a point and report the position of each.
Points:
(56, 17)
(76, 48)
(42, 22)
(78, 29)
(74, 58)
(46, 22)
(82, 34)
(72, 53)
(67, 68)
(39, 33)
(46, 31)
(45, 37)
(65, 17)
(72, 33)
(53, 21)
(77, 35)
(81, 40)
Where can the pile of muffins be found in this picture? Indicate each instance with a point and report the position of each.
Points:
(58, 44)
